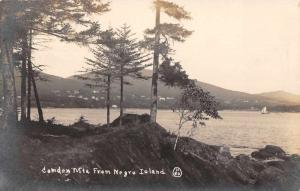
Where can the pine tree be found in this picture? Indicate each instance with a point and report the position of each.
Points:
(116, 56)
(50, 17)
(31, 76)
(101, 71)
(28, 79)
(157, 40)
(130, 60)
(8, 26)
(172, 74)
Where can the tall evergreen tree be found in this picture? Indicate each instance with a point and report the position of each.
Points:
(44, 16)
(157, 40)
(8, 27)
(130, 60)
(101, 70)
(28, 76)
(116, 56)
(31, 76)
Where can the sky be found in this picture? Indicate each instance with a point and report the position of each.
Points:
(250, 46)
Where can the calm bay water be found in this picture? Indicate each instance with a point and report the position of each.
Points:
(242, 131)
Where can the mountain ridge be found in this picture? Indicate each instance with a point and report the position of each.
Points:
(223, 95)
(72, 92)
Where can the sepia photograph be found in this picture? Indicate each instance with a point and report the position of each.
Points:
(150, 95)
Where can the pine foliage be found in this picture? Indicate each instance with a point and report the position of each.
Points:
(129, 58)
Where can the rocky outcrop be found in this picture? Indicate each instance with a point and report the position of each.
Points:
(269, 152)
(139, 145)
(131, 119)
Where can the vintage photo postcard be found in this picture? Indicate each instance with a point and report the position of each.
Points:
(150, 95)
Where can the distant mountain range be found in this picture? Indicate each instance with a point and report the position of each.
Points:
(72, 92)
(282, 96)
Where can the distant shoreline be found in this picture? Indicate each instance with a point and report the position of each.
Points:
(164, 109)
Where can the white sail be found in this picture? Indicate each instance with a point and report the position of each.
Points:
(264, 110)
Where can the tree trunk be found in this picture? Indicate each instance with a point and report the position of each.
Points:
(30, 70)
(178, 135)
(154, 97)
(29, 73)
(15, 89)
(121, 96)
(29, 95)
(108, 101)
(10, 114)
(23, 79)
(179, 127)
(37, 99)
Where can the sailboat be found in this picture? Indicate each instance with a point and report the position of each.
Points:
(264, 110)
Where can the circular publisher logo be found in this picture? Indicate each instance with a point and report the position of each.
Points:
(177, 172)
